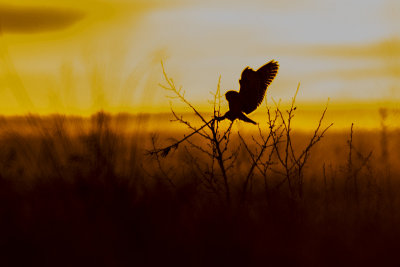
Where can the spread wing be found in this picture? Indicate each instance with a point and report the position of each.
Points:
(253, 85)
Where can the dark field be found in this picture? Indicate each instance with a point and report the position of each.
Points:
(77, 192)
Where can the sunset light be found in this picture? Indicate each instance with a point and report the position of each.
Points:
(199, 133)
(110, 51)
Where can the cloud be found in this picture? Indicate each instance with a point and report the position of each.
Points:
(389, 48)
(36, 19)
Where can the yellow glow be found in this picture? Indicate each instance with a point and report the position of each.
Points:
(106, 54)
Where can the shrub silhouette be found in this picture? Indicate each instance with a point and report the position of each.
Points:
(81, 192)
(276, 142)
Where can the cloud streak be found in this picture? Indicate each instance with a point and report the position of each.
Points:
(36, 19)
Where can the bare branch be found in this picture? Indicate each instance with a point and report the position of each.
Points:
(165, 151)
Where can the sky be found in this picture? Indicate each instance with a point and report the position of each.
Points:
(77, 57)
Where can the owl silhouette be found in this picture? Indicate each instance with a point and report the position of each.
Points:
(253, 86)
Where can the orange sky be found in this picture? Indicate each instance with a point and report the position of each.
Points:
(80, 56)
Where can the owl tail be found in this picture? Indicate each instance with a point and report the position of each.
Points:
(232, 116)
(246, 119)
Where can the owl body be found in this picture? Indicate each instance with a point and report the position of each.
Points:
(253, 86)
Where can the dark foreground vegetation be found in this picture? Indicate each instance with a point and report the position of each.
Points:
(86, 193)
(95, 198)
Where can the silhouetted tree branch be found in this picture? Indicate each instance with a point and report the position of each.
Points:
(210, 131)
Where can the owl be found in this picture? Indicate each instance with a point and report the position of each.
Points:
(253, 85)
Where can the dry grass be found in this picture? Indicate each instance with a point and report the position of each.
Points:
(85, 193)
(105, 191)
